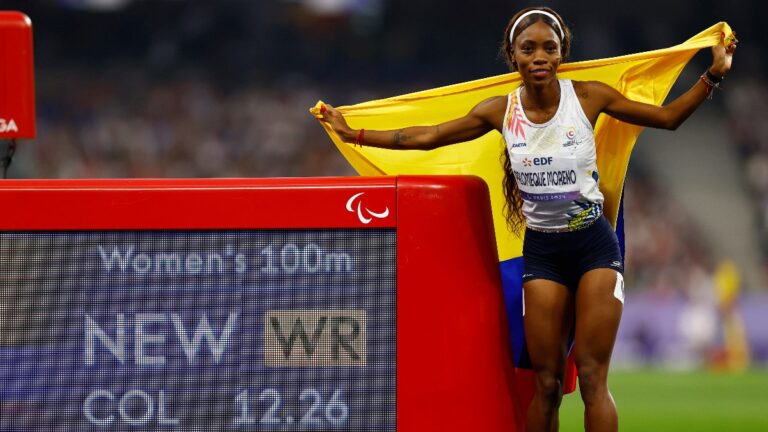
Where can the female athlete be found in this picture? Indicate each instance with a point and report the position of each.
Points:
(573, 268)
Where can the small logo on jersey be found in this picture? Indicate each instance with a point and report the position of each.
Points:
(8, 125)
(540, 161)
(527, 162)
(570, 137)
(364, 218)
(616, 264)
(518, 145)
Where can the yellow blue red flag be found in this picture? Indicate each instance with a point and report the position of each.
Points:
(645, 77)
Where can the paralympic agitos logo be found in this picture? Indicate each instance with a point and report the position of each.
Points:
(365, 214)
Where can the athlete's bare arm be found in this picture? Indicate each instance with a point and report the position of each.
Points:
(485, 116)
(597, 97)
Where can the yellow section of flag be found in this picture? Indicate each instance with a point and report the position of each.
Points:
(645, 77)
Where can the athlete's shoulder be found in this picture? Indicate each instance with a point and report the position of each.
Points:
(586, 89)
(493, 104)
(595, 96)
(491, 108)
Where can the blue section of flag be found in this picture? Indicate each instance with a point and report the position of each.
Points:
(512, 283)
(620, 229)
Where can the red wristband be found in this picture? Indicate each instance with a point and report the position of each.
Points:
(360, 136)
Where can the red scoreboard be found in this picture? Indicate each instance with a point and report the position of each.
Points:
(329, 304)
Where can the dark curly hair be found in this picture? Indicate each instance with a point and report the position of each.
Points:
(514, 204)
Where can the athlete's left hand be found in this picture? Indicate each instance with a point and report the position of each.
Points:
(722, 57)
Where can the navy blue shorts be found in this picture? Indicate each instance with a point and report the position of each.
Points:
(564, 257)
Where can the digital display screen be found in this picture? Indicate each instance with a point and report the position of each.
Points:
(245, 330)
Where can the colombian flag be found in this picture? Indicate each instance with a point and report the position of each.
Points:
(645, 77)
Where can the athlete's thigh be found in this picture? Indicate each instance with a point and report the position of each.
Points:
(599, 304)
(548, 323)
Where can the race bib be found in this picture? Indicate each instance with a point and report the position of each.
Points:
(546, 177)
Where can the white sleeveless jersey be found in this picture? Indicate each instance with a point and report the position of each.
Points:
(554, 164)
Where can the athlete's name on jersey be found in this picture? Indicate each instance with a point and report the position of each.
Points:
(546, 178)
(8, 125)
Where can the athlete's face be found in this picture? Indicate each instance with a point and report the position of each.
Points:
(537, 53)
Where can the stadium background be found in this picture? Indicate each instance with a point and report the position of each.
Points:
(191, 88)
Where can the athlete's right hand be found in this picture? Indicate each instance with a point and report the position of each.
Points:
(336, 120)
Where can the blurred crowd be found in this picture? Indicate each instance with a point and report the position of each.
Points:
(131, 127)
(747, 109)
(665, 253)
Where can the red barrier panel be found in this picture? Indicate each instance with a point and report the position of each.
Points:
(447, 366)
(17, 81)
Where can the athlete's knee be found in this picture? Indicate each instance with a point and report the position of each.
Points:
(550, 387)
(593, 381)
